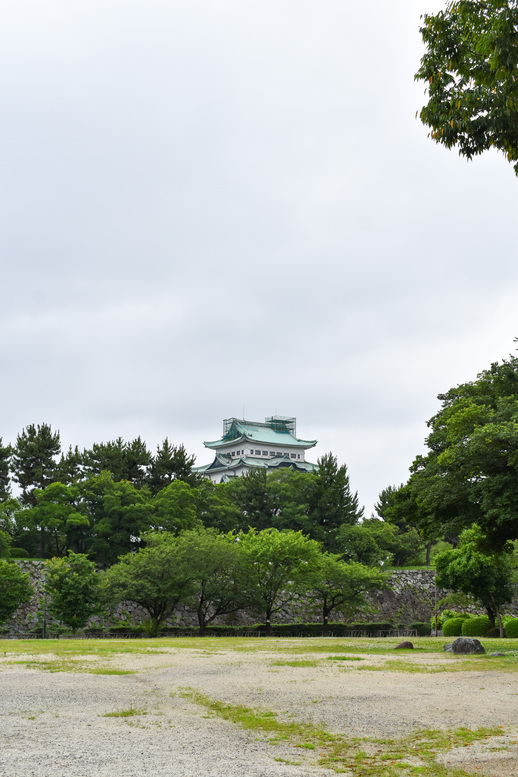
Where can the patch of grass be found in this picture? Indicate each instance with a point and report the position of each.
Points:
(413, 755)
(294, 663)
(129, 713)
(345, 658)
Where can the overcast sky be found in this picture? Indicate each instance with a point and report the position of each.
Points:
(212, 208)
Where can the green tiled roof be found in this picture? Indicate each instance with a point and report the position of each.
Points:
(260, 433)
(224, 463)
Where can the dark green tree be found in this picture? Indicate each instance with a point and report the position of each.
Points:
(470, 69)
(60, 516)
(123, 517)
(170, 463)
(15, 589)
(74, 589)
(34, 464)
(70, 466)
(6, 452)
(34, 459)
(124, 460)
(331, 501)
(399, 508)
(252, 496)
(214, 510)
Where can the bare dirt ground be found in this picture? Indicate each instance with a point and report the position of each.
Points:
(54, 724)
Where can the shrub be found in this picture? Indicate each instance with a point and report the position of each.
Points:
(494, 632)
(423, 629)
(476, 627)
(452, 627)
(18, 553)
(445, 615)
(511, 628)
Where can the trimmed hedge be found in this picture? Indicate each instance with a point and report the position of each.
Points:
(511, 628)
(476, 627)
(423, 629)
(452, 627)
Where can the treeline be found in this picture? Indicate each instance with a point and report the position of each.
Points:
(102, 501)
(259, 572)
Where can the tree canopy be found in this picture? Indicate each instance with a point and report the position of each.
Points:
(488, 577)
(15, 589)
(73, 585)
(470, 68)
(470, 474)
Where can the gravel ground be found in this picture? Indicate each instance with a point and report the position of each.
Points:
(55, 724)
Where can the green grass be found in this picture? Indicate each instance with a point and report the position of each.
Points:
(294, 663)
(70, 655)
(412, 755)
(124, 713)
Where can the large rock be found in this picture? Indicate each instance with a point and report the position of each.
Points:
(404, 646)
(467, 645)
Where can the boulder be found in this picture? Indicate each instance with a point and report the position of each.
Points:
(448, 647)
(467, 645)
(404, 646)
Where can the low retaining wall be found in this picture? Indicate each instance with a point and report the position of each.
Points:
(411, 598)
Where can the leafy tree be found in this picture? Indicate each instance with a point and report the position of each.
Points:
(331, 501)
(15, 589)
(216, 562)
(470, 474)
(5, 460)
(363, 544)
(278, 566)
(174, 508)
(14, 521)
(343, 587)
(488, 577)
(471, 73)
(158, 577)
(5, 544)
(73, 586)
(398, 509)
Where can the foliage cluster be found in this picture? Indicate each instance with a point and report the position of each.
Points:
(470, 70)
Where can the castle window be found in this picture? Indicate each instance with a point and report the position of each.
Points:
(265, 453)
(258, 453)
(293, 455)
(272, 453)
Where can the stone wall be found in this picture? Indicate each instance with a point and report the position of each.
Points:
(410, 598)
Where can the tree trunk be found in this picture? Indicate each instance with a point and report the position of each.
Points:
(268, 623)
